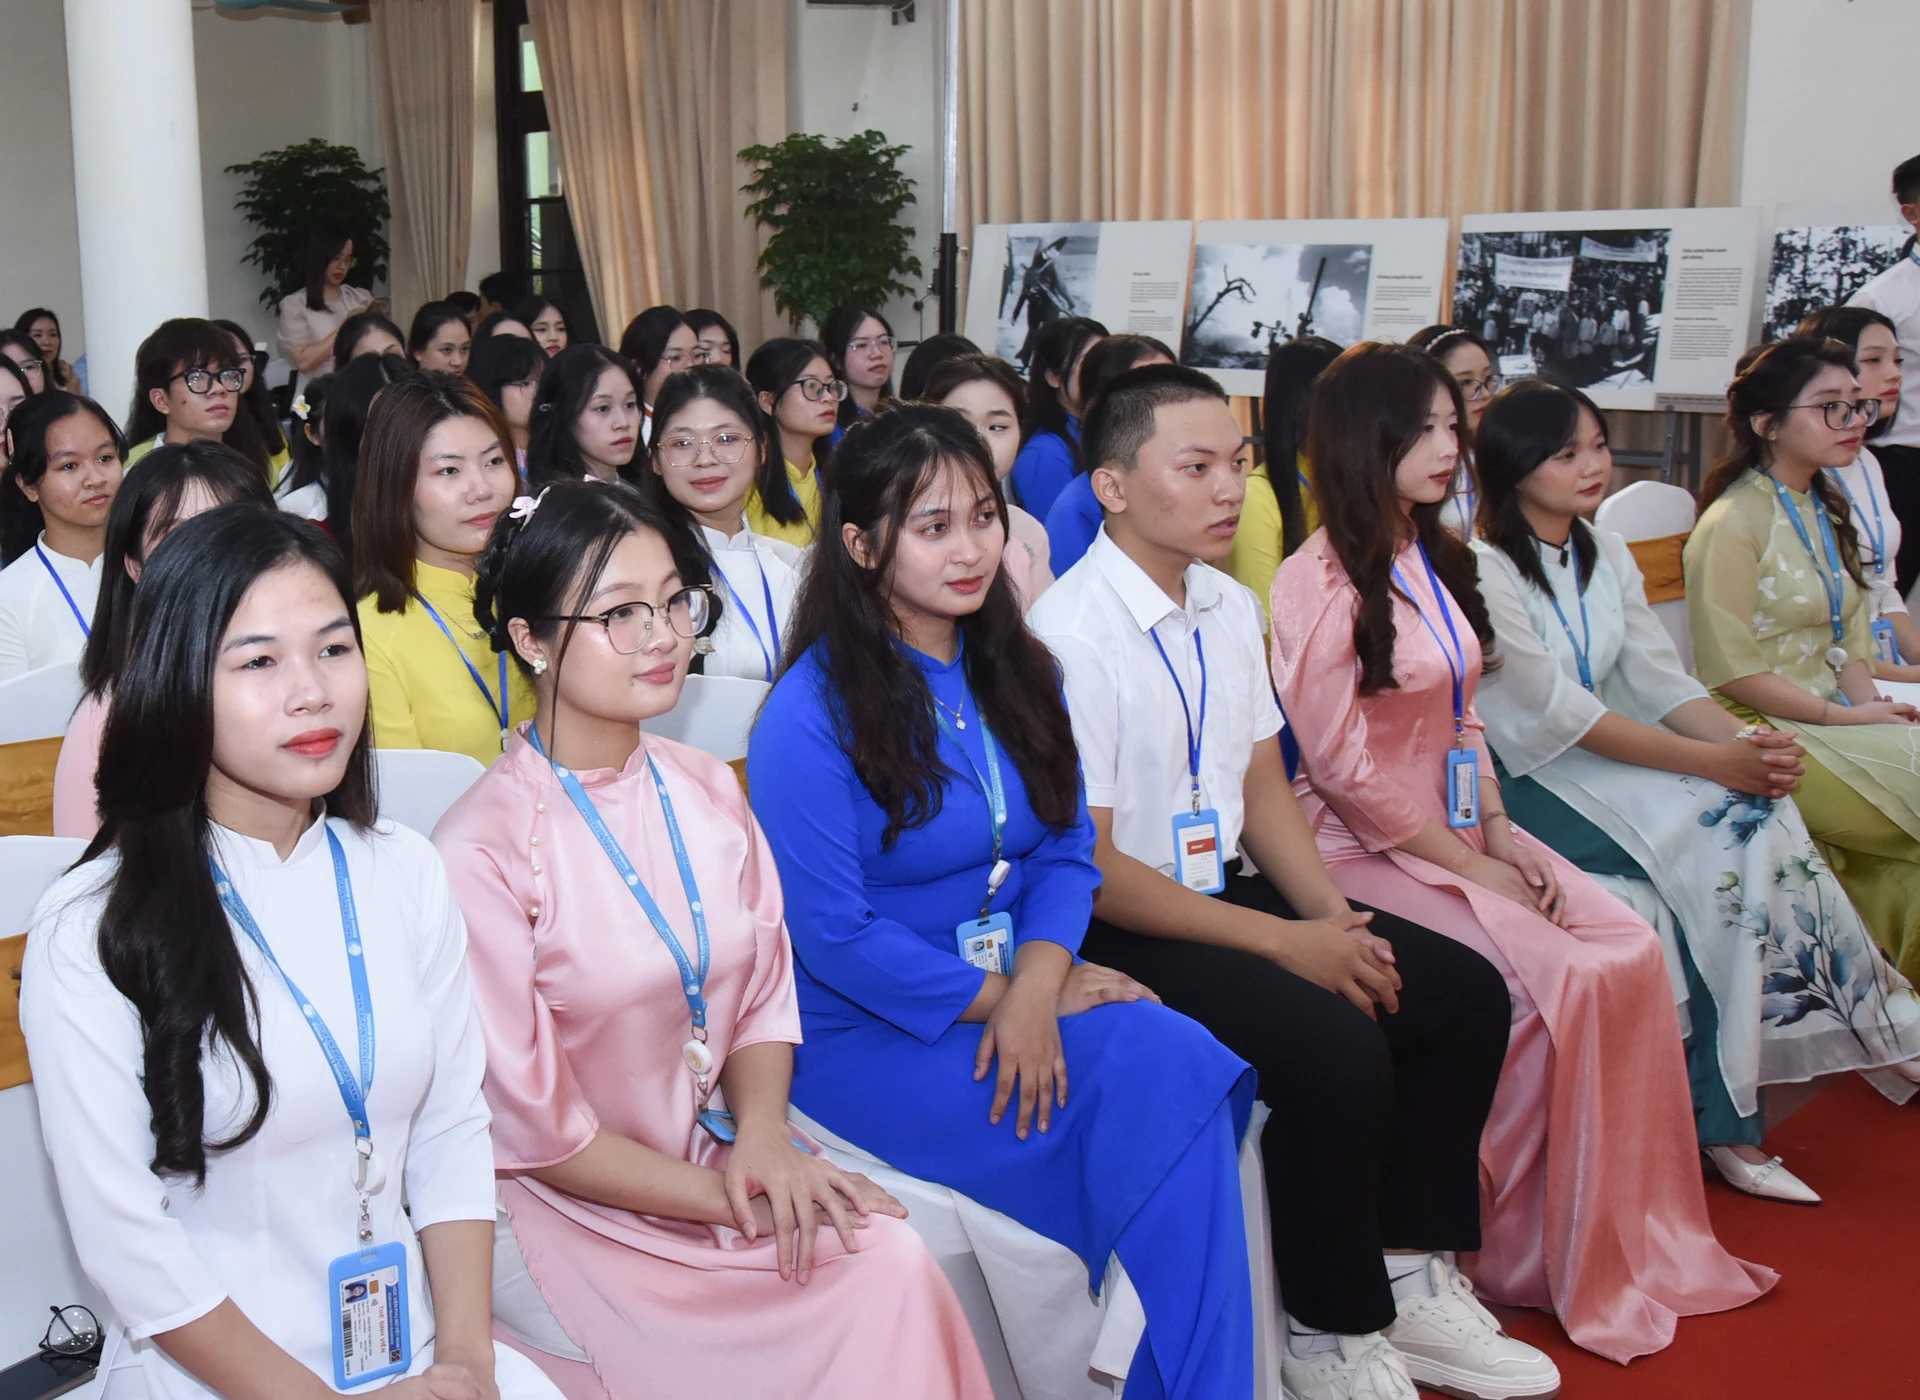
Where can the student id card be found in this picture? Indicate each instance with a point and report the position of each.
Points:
(1884, 645)
(1197, 862)
(372, 1334)
(988, 943)
(1463, 788)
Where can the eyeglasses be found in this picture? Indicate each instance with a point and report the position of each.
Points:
(682, 450)
(673, 359)
(820, 390)
(1841, 414)
(630, 626)
(712, 355)
(1475, 390)
(74, 1331)
(201, 381)
(866, 343)
(30, 366)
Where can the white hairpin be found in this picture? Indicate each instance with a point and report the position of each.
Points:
(525, 506)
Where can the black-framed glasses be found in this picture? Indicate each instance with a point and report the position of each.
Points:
(683, 449)
(1474, 390)
(820, 390)
(1841, 414)
(630, 626)
(201, 381)
(74, 1331)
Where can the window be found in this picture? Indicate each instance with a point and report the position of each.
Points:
(536, 233)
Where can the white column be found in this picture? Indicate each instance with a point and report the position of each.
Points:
(136, 179)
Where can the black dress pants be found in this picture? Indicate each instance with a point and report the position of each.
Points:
(1901, 468)
(1375, 1134)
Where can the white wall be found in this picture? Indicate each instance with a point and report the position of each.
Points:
(853, 69)
(1830, 106)
(264, 81)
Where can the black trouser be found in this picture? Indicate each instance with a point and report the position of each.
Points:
(1375, 1135)
(1901, 467)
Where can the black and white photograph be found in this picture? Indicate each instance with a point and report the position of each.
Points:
(1048, 274)
(1249, 297)
(1815, 267)
(1582, 306)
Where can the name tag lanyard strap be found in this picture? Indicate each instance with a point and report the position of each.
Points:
(61, 584)
(1456, 654)
(1877, 536)
(1196, 735)
(769, 645)
(1581, 648)
(1831, 578)
(353, 1090)
(499, 711)
(693, 979)
(995, 793)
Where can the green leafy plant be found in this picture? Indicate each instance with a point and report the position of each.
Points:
(833, 212)
(289, 193)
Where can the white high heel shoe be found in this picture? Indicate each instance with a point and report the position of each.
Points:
(1769, 1178)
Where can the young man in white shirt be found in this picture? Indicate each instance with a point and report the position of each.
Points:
(1895, 294)
(1378, 1043)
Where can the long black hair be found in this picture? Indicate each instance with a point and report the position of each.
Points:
(727, 388)
(1291, 370)
(1526, 424)
(885, 709)
(350, 400)
(254, 420)
(928, 356)
(1847, 324)
(1369, 409)
(308, 447)
(356, 328)
(772, 370)
(323, 245)
(165, 943)
(499, 360)
(426, 325)
(1767, 381)
(1056, 350)
(148, 506)
(837, 333)
(645, 339)
(701, 319)
(567, 386)
(21, 519)
(546, 565)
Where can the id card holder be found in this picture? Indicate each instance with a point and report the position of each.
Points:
(1463, 788)
(1197, 862)
(1884, 645)
(372, 1328)
(987, 943)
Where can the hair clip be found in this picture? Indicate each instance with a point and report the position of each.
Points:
(525, 506)
(300, 407)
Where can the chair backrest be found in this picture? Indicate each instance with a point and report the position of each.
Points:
(418, 785)
(41, 1268)
(715, 715)
(1647, 510)
(39, 704)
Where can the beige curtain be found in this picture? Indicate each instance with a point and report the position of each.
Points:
(649, 100)
(424, 58)
(1251, 109)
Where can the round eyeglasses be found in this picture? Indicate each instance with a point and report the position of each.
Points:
(683, 449)
(819, 390)
(74, 1331)
(201, 381)
(1474, 390)
(1840, 414)
(630, 626)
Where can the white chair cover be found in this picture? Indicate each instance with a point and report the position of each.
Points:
(38, 705)
(715, 715)
(418, 785)
(1652, 510)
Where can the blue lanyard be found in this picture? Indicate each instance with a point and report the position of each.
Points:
(1196, 735)
(771, 657)
(1830, 577)
(498, 711)
(995, 793)
(353, 1092)
(60, 584)
(1580, 648)
(1877, 536)
(693, 980)
(1456, 654)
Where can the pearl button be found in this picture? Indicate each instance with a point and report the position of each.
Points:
(533, 911)
(536, 870)
(536, 840)
(539, 806)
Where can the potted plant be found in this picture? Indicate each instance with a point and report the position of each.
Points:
(832, 209)
(289, 193)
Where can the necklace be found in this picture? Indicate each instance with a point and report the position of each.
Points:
(958, 723)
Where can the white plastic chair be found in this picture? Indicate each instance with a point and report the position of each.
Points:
(715, 715)
(41, 1271)
(40, 704)
(418, 785)
(1652, 510)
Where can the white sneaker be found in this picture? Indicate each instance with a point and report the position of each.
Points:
(1453, 1345)
(1360, 1368)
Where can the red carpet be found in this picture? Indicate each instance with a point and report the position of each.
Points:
(1836, 1323)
